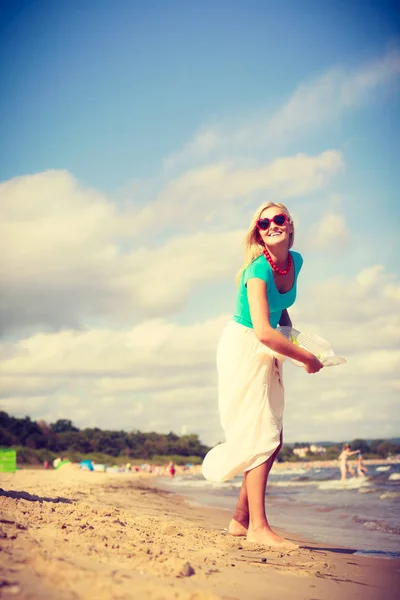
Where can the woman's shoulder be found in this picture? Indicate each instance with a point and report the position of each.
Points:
(257, 268)
(296, 255)
(259, 260)
(297, 258)
(256, 263)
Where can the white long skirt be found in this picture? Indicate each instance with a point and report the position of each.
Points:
(251, 403)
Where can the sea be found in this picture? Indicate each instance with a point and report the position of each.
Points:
(310, 501)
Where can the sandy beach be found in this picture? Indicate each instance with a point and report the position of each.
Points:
(72, 534)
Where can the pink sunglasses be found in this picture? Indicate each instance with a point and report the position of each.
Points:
(277, 219)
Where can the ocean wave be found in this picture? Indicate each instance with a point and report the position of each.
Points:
(389, 495)
(347, 484)
(204, 483)
(387, 468)
(373, 525)
(298, 471)
(367, 490)
(330, 484)
(377, 554)
(291, 483)
(394, 477)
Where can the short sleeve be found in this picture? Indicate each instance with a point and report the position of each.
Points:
(258, 269)
(298, 261)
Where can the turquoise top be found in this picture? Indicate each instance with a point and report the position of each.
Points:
(261, 269)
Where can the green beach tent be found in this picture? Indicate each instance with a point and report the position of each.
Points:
(8, 460)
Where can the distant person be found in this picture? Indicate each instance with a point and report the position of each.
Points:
(249, 361)
(171, 469)
(344, 465)
(361, 469)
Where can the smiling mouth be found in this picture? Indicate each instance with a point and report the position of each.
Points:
(275, 234)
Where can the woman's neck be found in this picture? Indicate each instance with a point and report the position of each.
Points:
(279, 255)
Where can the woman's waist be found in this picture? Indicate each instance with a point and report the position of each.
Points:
(239, 338)
(246, 321)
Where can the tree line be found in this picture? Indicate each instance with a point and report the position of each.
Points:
(63, 437)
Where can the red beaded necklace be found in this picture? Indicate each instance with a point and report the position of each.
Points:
(274, 267)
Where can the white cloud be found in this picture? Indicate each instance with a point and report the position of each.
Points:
(345, 415)
(370, 277)
(23, 405)
(122, 379)
(394, 384)
(32, 386)
(335, 91)
(335, 394)
(152, 346)
(65, 262)
(355, 315)
(69, 259)
(311, 105)
(287, 177)
(363, 325)
(331, 230)
(213, 193)
(381, 362)
(392, 291)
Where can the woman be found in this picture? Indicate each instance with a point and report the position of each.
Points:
(344, 465)
(249, 360)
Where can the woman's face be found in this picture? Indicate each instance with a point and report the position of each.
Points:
(274, 227)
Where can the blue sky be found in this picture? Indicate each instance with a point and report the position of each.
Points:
(107, 89)
(137, 140)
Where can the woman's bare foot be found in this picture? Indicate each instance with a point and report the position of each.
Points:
(236, 528)
(266, 537)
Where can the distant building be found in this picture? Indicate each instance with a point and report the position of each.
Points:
(305, 450)
(301, 452)
(317, 449)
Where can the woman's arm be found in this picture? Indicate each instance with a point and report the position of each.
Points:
(285, 320)
(259, 311)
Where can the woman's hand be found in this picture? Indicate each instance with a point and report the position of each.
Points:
(313, 364)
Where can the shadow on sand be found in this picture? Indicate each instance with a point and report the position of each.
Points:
(31, 497)
(336, 550)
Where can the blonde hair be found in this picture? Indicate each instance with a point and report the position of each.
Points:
(253, 244)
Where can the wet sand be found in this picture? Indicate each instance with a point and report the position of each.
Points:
(72, 534)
